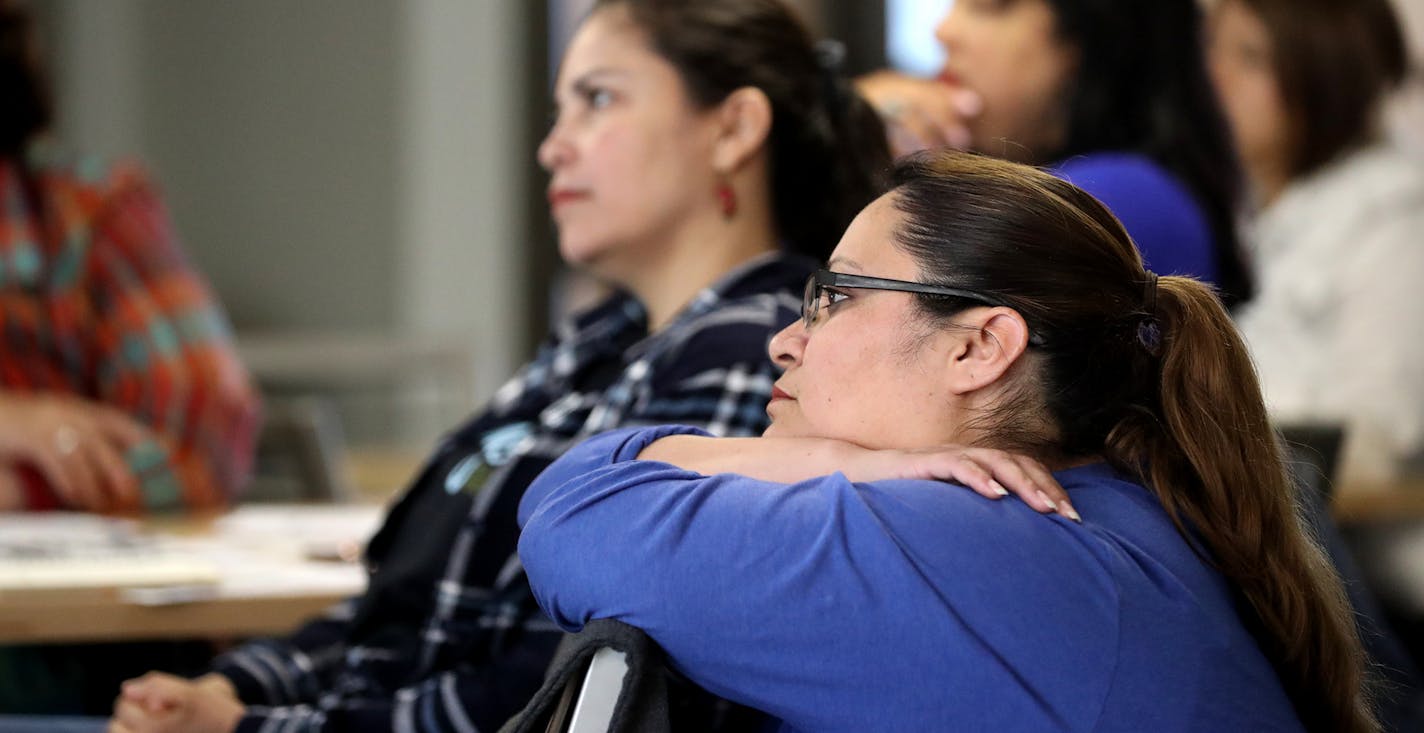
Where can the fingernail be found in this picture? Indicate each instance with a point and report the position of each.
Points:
(967, 102)
(1073, 514)
(1000, 490)
(1048, 501)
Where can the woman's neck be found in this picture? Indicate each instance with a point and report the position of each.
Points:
(1269, 179)
(696, 257)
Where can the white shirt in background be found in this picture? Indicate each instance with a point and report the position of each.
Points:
(1337, 325)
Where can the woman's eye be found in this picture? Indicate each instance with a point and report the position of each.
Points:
(598, 98)
(829, 297)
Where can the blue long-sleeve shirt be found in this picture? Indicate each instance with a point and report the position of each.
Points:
(900, 605)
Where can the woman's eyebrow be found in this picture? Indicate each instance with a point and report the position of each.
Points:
(592, 75)
(583, 82)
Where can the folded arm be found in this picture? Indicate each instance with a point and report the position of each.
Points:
(991, 473)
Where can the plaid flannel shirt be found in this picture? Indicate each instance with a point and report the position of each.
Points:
(98, 301)
(482, 647)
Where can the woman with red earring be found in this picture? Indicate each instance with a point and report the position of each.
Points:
(728, 198)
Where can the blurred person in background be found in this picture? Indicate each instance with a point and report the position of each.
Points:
(1112, 95)
(1338, 235)
(704, 158)
(119, 386)
(120, 390)
(1338, 231)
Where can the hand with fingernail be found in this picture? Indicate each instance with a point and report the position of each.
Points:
(921, 114)
(76, 446)
(991, 473)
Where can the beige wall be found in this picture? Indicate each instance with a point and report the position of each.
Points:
(332, 165)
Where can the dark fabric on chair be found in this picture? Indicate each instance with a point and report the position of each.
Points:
(642, 703)
(654, 698)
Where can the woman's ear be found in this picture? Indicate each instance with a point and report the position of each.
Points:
(744, 124)
(989, 342)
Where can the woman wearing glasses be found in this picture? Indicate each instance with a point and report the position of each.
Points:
(701, 150)
(813, 574)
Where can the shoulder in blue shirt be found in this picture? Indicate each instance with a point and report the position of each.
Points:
(1158, 211)
(900, 605)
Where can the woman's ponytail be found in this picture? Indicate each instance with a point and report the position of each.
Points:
(1217, 468)
(1151, 375)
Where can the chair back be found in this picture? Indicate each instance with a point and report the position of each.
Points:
(300, 454)
(1313, 455)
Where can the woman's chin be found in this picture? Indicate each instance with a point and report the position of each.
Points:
(785, 429)
(581, 251)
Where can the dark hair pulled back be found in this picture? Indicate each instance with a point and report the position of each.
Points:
(24, 93)
(1150, 374)
(827, 148)
(1335, 62)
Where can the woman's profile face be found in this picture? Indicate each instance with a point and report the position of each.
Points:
(1240, 55)
(868, 371)
(1009, 52)
(629, 157)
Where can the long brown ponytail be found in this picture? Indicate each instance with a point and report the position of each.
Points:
(1151, 375)
(1217, 468)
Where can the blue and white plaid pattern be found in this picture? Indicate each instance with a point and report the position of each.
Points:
(482, 651)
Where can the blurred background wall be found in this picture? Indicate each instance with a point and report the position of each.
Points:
(351, 175)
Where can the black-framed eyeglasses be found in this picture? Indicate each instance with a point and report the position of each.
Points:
(822, 279)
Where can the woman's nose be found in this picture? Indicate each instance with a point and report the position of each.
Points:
(788, 344)
(555, 149)
(947, 31)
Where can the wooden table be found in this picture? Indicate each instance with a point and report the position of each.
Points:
(102, 615)
(1402, 500)
(263, 581)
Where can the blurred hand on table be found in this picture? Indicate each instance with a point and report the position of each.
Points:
(76, 446)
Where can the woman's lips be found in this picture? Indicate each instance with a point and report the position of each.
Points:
(949, 77)
(779, 394)
(560, 196)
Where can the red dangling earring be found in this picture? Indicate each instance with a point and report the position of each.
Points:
(728, 198)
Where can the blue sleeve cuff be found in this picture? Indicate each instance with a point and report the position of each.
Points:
(634, 441)
(614, 446)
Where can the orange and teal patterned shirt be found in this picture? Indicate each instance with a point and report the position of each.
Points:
(98, 301)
